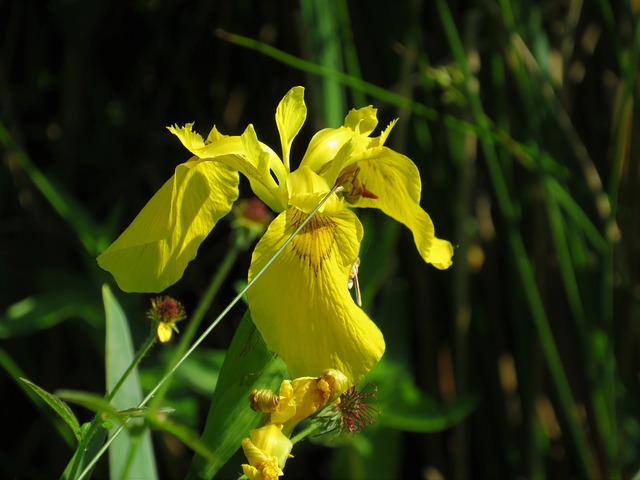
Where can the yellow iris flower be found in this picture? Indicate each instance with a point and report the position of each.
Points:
(301, 304)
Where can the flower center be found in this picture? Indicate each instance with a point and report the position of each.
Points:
(315, 242)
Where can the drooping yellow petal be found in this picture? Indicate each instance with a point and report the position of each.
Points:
(290, 116)
(395, 180)
(301, 304)
(153, 252)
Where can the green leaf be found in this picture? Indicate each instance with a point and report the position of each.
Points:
(131, 454)
(248, 365)
(58, 406)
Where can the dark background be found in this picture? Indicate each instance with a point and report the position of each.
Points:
(530, 169)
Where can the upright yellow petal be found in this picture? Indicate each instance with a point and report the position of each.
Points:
(330, 149)
(290, 116)
(324, 146)
(395, 181)
(301, 304)
(153, 252)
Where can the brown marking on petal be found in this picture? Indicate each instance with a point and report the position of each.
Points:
(315, 242)
(352, 188)
(367, 194)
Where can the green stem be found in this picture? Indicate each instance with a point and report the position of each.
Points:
(312, 427)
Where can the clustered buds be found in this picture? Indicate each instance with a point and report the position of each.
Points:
(268, 447)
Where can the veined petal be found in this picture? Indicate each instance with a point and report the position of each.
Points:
(153, 252)
(395, 180)
(301, 304)
(290, 116)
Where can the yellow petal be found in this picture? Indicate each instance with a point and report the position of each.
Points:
(191, 140)
(301, 304)
(395, 180)
(153, 252)
(165, 332)
(252, 473)
(333, 146)
(310, 394)
(379, 141)
(324, 146)
(265, 443)
(264, 160)
(364, 118)
(244, 154)
(290, 116)
(306, 190)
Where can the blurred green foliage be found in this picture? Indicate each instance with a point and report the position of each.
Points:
(519, 361)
